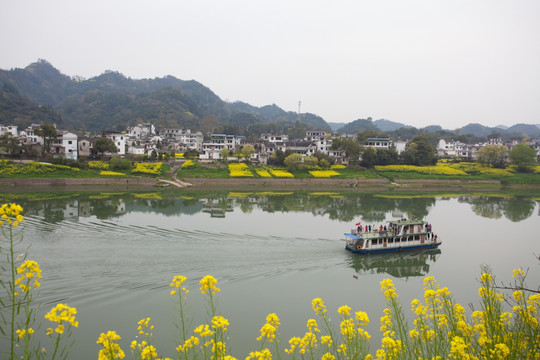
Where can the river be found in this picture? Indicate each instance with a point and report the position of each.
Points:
(113, 255)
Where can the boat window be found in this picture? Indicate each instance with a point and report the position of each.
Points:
(416, 237)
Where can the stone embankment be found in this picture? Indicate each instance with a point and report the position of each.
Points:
(16, 182)
(243, 183)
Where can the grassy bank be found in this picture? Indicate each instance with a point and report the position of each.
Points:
(445, 172)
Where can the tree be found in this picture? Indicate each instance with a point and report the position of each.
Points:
(191, 154)
(9, 144)
(419, 152)
(369, 156)
(523, 156)
(386, 157)
(328, 160)
(48, 133)
(104, 144)
(493, 155)
(279, 156)
(311, 161)
(293, 161)
(224, 154)
(247, 150)
(350, 146)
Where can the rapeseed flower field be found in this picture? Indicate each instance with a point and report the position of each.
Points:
(147, 168)
(240, 170)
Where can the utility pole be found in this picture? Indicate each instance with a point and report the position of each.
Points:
(299, 103)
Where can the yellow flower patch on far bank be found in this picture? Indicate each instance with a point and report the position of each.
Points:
(323, 173)
(239, 170)
(281, 173)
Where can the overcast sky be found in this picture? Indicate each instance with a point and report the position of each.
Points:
(418, 62)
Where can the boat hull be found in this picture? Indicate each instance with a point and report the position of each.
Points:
(355, 250)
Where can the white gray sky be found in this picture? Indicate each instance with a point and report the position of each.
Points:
(419, 62)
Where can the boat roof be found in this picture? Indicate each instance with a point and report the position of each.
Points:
(406, 222)
(352, 236)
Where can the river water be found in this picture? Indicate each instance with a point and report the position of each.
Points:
(113, 255)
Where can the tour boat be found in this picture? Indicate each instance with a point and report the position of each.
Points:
(398, 235)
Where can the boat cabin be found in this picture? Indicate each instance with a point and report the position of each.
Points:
(398, 235)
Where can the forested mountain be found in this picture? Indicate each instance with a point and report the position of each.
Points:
(39, 93)
(357, 126)
(387, 125)
(112, 101)
(22, 111)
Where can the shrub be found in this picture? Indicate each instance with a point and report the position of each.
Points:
(120, 164)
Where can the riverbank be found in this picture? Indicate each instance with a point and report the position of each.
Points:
(245, 183)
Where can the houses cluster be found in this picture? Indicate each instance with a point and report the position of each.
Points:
(141, 139)
(144, 139)
(457, 149)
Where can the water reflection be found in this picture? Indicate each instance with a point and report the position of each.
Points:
(513, 208)
(346, 207)
(399, 265)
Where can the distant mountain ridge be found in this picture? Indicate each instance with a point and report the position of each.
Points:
(111, 101)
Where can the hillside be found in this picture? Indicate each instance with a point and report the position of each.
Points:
(23, 112)
(112, 101)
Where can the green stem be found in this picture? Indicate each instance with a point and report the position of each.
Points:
(183, 321)
(12, 294)
(56, 346)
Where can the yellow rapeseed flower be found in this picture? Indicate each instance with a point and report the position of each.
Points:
(328, 356)
(326, 339)
(219, 322)
(318, 306)
(344, 310)
(28, 270)
(267, 332)
(294, 342)
(347, 328)
(362, 318)
(518, 273)
(264, 354)
(111, 349)
(312, 325)
(208, 285)
(11, 213)
(273, 320)
(62, 314)
(204, 331)
(177, 282)
(148, 352)
(486, 277)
